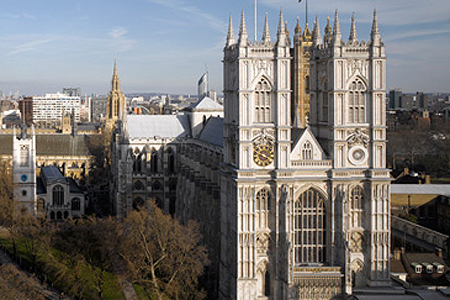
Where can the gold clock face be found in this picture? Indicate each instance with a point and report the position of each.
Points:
(263, 155)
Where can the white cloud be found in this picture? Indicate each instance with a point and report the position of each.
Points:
(30, 46)
(118, 32)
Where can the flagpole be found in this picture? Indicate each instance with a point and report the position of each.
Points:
(306, 11)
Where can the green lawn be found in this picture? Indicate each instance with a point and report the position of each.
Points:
(57, 268)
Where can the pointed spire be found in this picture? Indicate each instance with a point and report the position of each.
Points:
(353, 38)
(243, 36)
(230, 35)
(317, 38)
(266, 33)
(375, 34)
(281, 30)
(328, 32)
(337, 37)
(115, 82)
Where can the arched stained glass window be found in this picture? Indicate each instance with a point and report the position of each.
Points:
(309, 228)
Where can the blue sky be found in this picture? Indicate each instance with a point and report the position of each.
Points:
(165, 45)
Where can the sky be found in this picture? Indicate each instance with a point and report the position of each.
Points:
(166, 45)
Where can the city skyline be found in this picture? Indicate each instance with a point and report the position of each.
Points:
(166, 45)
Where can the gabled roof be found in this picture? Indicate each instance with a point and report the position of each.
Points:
(300, 136)
(213, 132)
(164, 126)
(205, 104)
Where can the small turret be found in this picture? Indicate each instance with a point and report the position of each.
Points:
(375, 37)
(353, 38)
(243, 36)
(306, 33)
(298, 29)
(266, 35)
(337, 37)
(230, 35)
(281, 35)
(317, 39)
(328, 32)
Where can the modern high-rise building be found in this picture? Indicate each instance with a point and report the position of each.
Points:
(50, 108)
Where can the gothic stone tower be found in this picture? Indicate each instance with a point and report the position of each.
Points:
(301, 217)
(348, 84)
(24, 168)
(116, 101)
(257, 144)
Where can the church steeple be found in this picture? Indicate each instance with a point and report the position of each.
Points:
(116, 100)
(230, 36)
(115, 82)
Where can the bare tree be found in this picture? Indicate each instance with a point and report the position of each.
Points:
(162, 255)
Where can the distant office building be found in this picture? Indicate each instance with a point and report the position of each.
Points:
(26, 109)
(50, 108)
(421, 101)
(98, 108)
(72, 91)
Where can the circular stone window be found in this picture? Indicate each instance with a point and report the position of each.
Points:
(357, 155)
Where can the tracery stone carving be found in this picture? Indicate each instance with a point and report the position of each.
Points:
(358, 137)
(357, 241)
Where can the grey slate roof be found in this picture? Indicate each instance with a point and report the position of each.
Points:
(164, 126)
(213, 132)
(51, 145)
(205, 104)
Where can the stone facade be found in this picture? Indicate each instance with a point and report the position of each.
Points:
(302, 211)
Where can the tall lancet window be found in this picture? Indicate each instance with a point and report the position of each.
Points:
(356, 206)
(357, 102)
(262, 102)
(24, 157)
(309, 234)
(307, 151)
(262, 208)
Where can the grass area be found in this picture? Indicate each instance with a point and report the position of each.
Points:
(60, 272)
